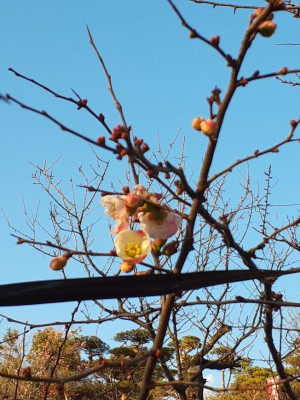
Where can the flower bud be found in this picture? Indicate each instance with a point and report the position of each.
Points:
(101, 140)
(58, 263)
(126, 267)
(196, 123)
(81, 103)
(283, 71)
(208, 127)
(144, 148)
(150, 173)
(123, 152)
(267, 28)
(215, 40)
(157, 244)
(117, 132)
(158, 353)
(171, 248)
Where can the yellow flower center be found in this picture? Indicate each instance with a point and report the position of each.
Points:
(133, 250)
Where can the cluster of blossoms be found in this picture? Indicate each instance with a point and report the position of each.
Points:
(155, 222)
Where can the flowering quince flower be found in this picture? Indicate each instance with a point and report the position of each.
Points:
(163, 227)
(115, 207)
(133, 246)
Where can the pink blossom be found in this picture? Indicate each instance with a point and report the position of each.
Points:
(163, 227)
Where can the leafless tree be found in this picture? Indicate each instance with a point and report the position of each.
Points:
(200, 313)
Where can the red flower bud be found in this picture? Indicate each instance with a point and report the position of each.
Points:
(215, 40)
(144, 148)
(150, 173)
(158, 353)
(123, 152)
(283, 71)
(81, 103)
(101, 140)
(293, 123)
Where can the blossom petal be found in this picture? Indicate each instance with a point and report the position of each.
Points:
(115, 208)
(162, 228)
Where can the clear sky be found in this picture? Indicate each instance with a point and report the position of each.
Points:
(162, 79)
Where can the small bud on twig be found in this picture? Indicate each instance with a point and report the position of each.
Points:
(150, 173)
(215, 40)
(144, 148)
(170, 248)
(101, 141)
(101, 117)
(81, 103)
(158, 353)
(283, 71)
(243, 81)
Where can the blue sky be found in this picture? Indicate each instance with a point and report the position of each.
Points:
(162, 79)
